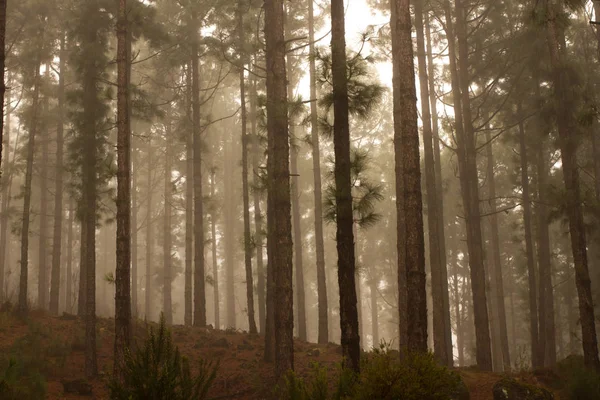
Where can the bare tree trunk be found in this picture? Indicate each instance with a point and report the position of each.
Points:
(229, 235)
(69, 284)
(189, 204)
(199, 276)
(441, 310)
(123, 243)
(297, 231)
(149, 235)
(258, 219)
(58, 188)
(167, 230)
(5, 182)
(245, 195)
(215, 265)
(495, 260)
(318, 198)
(43, 289)
(2, 84)
(568, 149)
(350, 338)
(373, 283)
(467, 156)
(23, 298)
(81, 296)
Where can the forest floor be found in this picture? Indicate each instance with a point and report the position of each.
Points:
(242, 373)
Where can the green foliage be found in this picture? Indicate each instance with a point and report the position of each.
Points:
(580, 383)
(157, 371)
(383, 376)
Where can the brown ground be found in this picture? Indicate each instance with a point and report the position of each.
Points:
(242, 373)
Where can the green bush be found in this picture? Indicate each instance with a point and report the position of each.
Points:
(383, 376)
(157, 371)
(16, 382)
(580, 383)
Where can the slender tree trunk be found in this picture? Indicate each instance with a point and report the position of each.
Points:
(460, 340)
(81, 296)
(43, 289)
(215, 264)
(245, 195)
(467, 156)
(58, 188)
(374, 312)
(318, 198)
(406, 146)
(495, 261)
(2, 84)
(441, 310)
(568, 149)
(343, 194)
(229, 235)
(167, 230)
(199, 283)
(258, 219)
(23, 281)
(189, 203)
(5, 182)
(133, 191)
(69, 284)
(123, 243)
(279, 225)
(438, 176)
(297, 238)
(149, 235)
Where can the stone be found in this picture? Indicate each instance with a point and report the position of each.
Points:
(511, 389)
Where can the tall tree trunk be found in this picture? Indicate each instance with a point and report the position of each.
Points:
(5, 182)
(229, 235)
(167, 230)
(69, 284)
(568, 149)
(343, 192)
(215, 264)
(406, 147)
(123, 250)
(2, 64)
(258, 219)
(58, 188)
(245, 188)
(297, 238)
(437, 160)
(441, 310)
(23, 281)
(546, 291)
(81, 296)
(467, 156)
(460, 339)
(318, 198)
(189, 203)
(43, 289)
(495, 261)
(537, 350)
(199, 282)
(149, 235)
(134, 231)
(279, 225)
(373, 283)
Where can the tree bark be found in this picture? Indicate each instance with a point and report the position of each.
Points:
(81, 297)
(373, 283)
(323, 335)
(58, 188)
(189, 203)
(69, 284)
(167, 230)
(279, 225)
(149, 235)
(215, 265)
(245, 195)
(23, 281)
(350, 338)
(2, 84)
(229, 234)
(43, 289)
(441, 310)
(123, 243)
(6, 183)
(568, 149)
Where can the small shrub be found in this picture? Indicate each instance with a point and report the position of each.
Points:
(580, 383)
(157, 371)
(17, 382)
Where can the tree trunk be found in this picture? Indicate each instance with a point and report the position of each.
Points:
(279, 225)
(406, 147)
(258, 219)
(149, 235)
(189, 203)
(167, 230)
(215, 265)
(467, 156)
(568, 149)
(495, 261)
(245, 188)
(374, 312)
(199, 283)
(6, 183)
(123, 250)
(23, 281)
(58, 188)
(441, 310)
(81, 297)
(229, 235)
(2, 65)
(350, 338)
(318, 198)
(43, 289)
(69, 284)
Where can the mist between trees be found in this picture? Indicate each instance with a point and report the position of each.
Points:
(432, 181)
